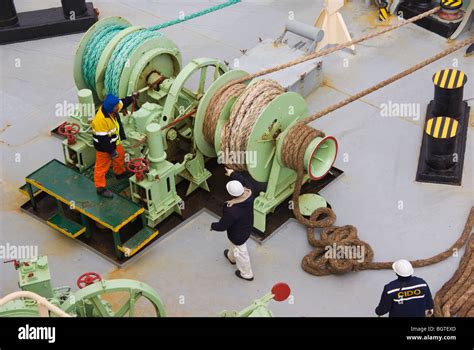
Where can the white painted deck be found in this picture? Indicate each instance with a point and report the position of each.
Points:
(382, 152)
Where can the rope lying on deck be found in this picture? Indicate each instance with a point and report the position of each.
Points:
(315, 262)
(293, 150)
(456, 297)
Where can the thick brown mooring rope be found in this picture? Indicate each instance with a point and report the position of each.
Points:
(315, 262)
(216, 105)
(236, 132)
(335, 48)
(388, 81)
(235, 87)
(456, 297)
(297, 140)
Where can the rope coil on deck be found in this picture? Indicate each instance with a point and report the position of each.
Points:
(456, 296)
(312, 263)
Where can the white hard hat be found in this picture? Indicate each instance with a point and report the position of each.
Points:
(402, 268)
(235, 188)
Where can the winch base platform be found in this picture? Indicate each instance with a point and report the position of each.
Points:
(77, 191)
(99, 239)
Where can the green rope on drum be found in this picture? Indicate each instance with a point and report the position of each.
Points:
(94, 48)
(125, 48)
(120, 56)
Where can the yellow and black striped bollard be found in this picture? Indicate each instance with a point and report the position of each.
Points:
(384, 14)
(449, 86)
(441, 135)
(445, 131)
(451, 10)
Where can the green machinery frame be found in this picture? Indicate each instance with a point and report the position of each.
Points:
(90, 301)
(266, 140)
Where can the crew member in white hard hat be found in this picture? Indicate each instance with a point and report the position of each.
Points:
(237, 220)
(407, 296)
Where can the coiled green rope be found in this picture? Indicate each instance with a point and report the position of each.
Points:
(93, 51)
(120, 56)
(126, 46)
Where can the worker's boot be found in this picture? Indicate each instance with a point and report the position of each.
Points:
(239, 275)
(226, 254)
(104, 192)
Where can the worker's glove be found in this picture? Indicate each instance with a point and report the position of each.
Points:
(127, 101)
(114, 154)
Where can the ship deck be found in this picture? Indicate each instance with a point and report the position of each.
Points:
(377, 193)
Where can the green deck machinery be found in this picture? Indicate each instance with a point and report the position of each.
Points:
(95, 298)
(165, 142)
(102, 298)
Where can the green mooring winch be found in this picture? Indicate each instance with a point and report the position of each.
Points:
(170, 125)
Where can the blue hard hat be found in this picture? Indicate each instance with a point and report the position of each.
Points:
(109, 103)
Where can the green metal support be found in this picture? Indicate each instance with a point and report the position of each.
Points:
(86, 223)
(32, 196)
(259, 308)
(60, 206)
(117, 243)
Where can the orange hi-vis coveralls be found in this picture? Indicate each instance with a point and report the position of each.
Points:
(107, 132)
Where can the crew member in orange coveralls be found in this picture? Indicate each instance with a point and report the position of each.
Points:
(107, 132)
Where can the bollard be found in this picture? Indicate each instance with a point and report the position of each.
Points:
(8, 16)
(448, 94)
(73, 9)
(443, 145)
(441, 135)
(423, 4)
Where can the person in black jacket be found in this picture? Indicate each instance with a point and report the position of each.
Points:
(237, 220)
(407, 296)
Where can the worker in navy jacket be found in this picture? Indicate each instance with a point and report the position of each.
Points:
(407, 296)
(237, 220)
